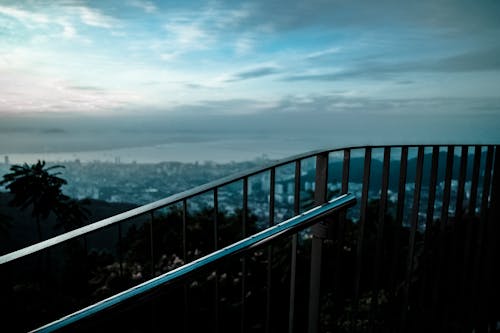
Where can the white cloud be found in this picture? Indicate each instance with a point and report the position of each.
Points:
(168, 56)
(30, 93)
(187, 32)
(24, 16)
(33, 19)
(244, 44)
(230, 18)
(188, 36)
(182, 38)
(69, 30)
(323, 53)
(146, 6)
(19, 58)
(95, 18)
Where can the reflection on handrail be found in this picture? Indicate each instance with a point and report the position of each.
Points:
(282, 229)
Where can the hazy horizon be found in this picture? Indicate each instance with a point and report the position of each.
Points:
(237, 138)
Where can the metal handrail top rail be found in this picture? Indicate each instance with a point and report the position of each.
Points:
(261, 238)
(186, 195)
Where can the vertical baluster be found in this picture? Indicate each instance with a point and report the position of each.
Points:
(447, 186)
(345, 188)
(184, 231)
(398, 223)
(184, 256)
(216, 246)
(438, 310)
(454, 259)
(49, 287)
(361, 229)
(432, 193)
(293, 263)
(380, 234)
(461, 183)
(340, 289)
(152, 267)
(151, 244)
(216, 218)
(486, 184)
(402, 186)
(429, 227)
(413, 232)
(491, 271)
(318, 234)
(479, 290)
(345, 171)
(244, 219)
(120, 248)
(321, 179)
(296, 202)
(272, 180)
(470, 231)
(86, 264)
(474, 181)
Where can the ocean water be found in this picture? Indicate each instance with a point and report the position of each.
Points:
(219, 151)
(230, 139)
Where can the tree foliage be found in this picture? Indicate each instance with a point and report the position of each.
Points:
(37, 187)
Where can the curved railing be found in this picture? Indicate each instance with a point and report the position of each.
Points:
(412, 186)
(199, 190)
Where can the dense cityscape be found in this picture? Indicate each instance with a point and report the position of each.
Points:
(139, 183)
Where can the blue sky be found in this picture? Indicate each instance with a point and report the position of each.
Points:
(103, 56)
(135, 57)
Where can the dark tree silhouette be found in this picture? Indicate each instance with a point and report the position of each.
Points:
(36, 187)
(4, 225)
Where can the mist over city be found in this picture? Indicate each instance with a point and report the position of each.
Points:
(277, 134)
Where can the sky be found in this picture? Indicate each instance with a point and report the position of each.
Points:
(370, 71)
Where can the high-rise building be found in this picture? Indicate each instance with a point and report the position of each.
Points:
(6, 160)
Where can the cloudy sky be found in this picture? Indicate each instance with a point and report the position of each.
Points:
(135, 58)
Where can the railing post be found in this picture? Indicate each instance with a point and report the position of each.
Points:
(492, 256)
(293, 263)
(494, 213)
(319, 232)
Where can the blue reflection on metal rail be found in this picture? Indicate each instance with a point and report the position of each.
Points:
(282, 229)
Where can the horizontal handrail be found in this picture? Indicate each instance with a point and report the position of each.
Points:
(282, 229)
(186, 195)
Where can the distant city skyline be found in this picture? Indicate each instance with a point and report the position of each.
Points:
(93, 75)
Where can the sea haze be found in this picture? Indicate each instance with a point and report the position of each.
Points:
(223, 137)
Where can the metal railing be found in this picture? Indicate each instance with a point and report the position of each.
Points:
(377, 258)
(278, 231)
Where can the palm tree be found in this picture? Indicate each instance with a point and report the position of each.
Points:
(35, 186)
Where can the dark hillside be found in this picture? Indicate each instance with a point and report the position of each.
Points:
(21, 229)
